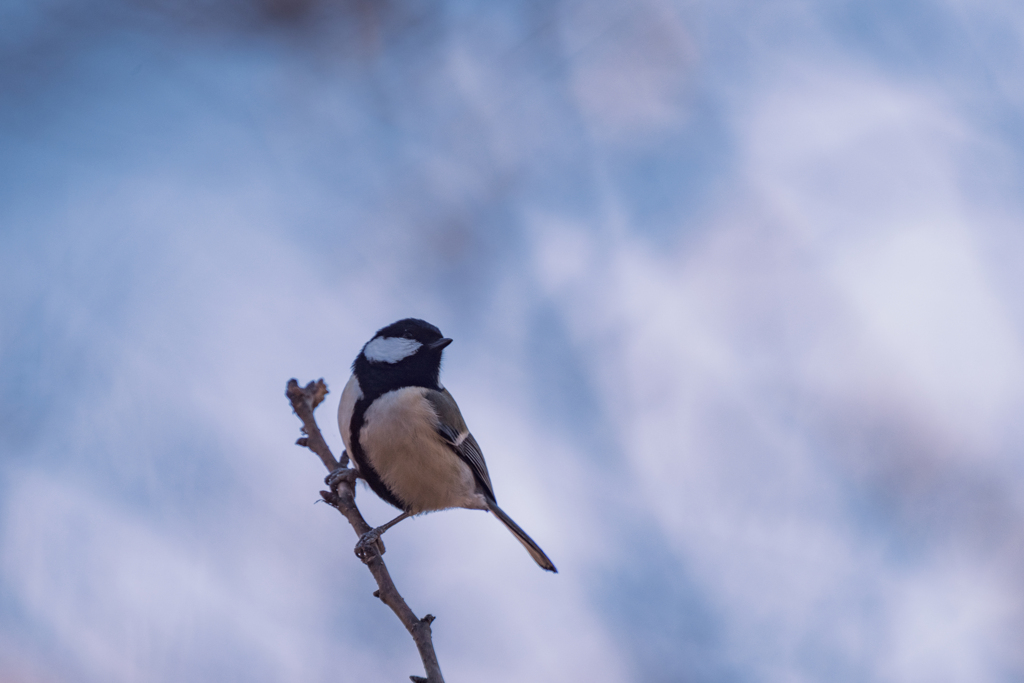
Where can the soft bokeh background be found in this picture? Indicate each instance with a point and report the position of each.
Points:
(736, 294)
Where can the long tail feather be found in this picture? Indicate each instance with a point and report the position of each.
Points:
(535, 552)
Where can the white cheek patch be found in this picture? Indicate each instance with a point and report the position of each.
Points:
(390, 349)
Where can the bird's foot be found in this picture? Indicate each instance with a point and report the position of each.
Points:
(339, 475)
(367, 543)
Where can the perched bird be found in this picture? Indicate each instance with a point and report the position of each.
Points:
(406, 436)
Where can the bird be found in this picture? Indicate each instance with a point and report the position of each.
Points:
(406, 435)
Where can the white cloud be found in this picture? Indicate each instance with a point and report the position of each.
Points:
(843, 283)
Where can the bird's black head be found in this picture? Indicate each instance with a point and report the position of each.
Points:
(405, 353)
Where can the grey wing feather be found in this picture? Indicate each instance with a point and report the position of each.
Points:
(452, 428)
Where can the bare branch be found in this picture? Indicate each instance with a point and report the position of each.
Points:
(304, 401)
(343, 498)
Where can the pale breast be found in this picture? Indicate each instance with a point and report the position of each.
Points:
(400, 440)
(352, 393)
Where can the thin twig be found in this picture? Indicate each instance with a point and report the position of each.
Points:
(304, 400)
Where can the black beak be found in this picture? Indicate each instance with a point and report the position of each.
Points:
(439, 344)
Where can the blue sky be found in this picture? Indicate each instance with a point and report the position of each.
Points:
(735, 294)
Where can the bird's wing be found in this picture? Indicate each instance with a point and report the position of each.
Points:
(452, 428)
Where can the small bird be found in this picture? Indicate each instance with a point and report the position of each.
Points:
(406, 435)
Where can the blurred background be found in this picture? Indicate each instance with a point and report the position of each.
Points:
(735, 289)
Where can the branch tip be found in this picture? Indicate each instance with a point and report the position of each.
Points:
(317, 391)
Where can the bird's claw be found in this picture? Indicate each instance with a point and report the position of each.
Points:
(365, 547)
(339, 475)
